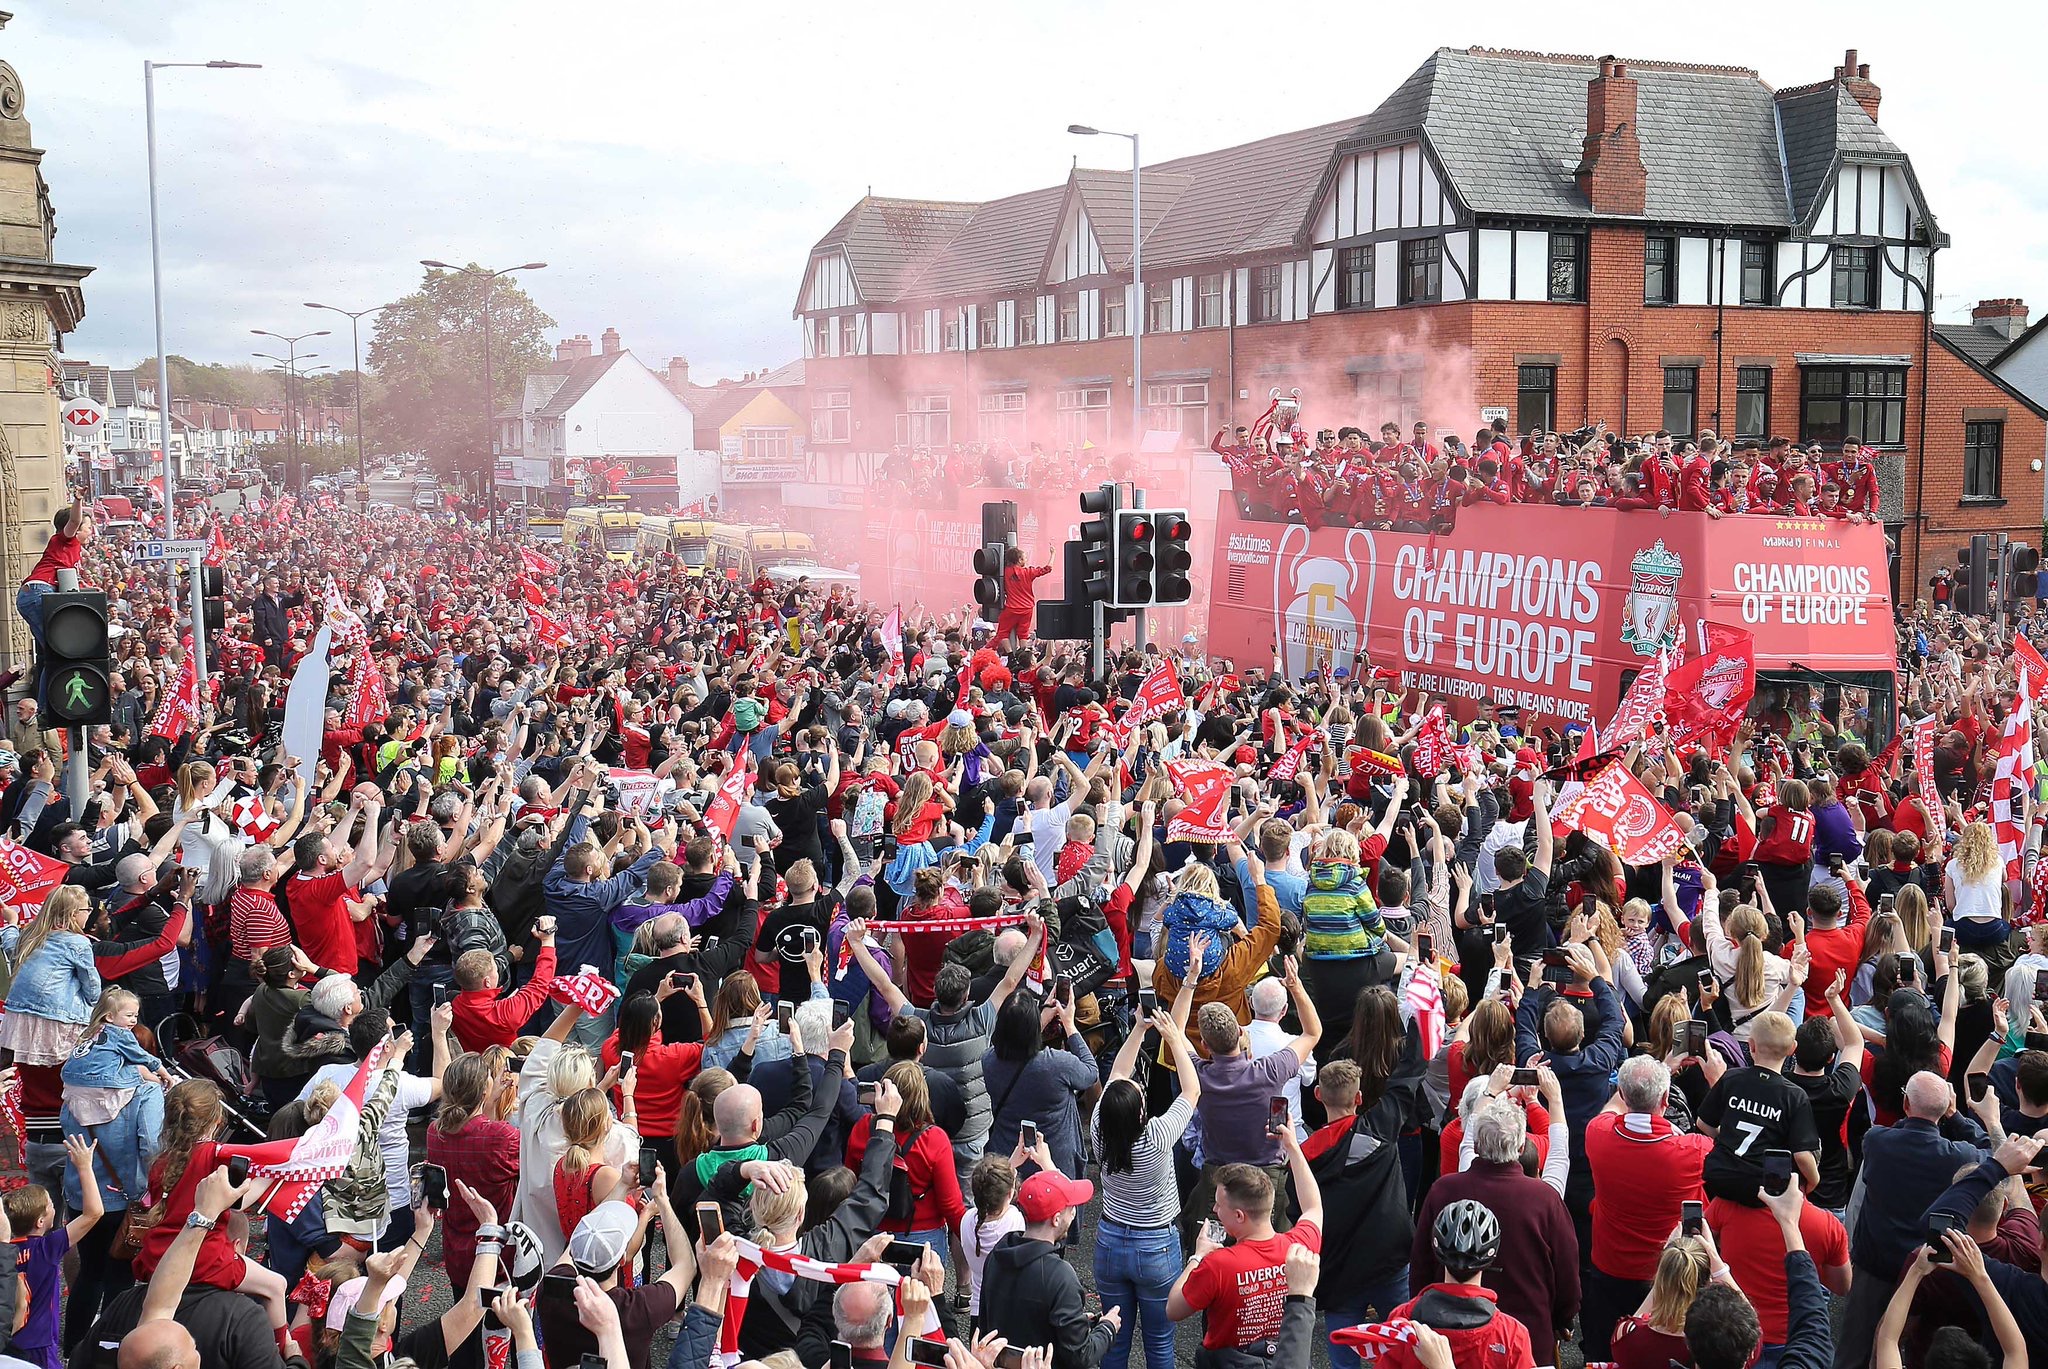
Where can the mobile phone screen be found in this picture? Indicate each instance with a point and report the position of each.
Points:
(1978, 1084)
(1523, 1078)
(710, 1222)
(1694, 1217)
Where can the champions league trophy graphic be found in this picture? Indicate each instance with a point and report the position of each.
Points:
(1280, 425)
(1651, 612)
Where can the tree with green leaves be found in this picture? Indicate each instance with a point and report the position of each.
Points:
(427, 358)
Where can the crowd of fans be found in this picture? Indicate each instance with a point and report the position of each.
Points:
(898, 998)
(1413, 484)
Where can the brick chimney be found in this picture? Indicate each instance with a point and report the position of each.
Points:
(679, 374)
(573, 348)
(2006, 317)
(609, 341)
(1854, 77)
(1611, 174)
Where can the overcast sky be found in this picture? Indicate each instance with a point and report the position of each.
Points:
(673, 163)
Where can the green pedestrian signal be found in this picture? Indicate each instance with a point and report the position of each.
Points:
(76, 663)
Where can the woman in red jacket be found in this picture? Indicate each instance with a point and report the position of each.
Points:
(924, 1154)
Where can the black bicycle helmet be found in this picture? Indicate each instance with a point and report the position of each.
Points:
(1467, 1236)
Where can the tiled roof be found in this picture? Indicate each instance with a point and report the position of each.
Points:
(788, 375)
(1820, 124)
(1510, 129)
(1507, 128)
(887, 240)
(1981, 345)
(576, 383)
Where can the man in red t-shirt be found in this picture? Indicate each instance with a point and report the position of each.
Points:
(328, 870)
(1644, 1170)
(1242, 1289)
(1753, 1247)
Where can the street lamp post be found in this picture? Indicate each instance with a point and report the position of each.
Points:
(355, 318)
(490, 280)
(291, 370)
(156, 283)
(1136, 320)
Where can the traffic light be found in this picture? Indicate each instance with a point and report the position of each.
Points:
(1172, 560)
(2022, 571)
(988, 578)
(1134, 541)
(213, 590)
(1983, 576)
(76, 665)
(1097, 569)
(1960, 598)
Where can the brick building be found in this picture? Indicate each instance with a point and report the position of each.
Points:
(1568, 239)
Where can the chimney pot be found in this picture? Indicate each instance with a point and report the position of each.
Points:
(572, 348)
(1854, 76)
(2006, 317)
(609, 341)
(1611, 174)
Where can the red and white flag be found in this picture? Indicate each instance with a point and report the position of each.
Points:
(1925, 731)
(26, 877)
(892, 640)
(1642, 705)
(298, 1167)
(1706, 697)
(1159, 694)
(754, 1258)
(217, 549)
(548, 631)
(1290, 763)
(1618, 809)
(529, 591)
(1205, 786)
(1423, 997)
(2014, 774)
(537, 564)
(725, 804)
(178, 712)
(587, 989)
(1432, 745)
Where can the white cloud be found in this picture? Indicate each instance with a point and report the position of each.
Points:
(673, 163)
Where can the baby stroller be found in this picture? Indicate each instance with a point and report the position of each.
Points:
(190, 1054)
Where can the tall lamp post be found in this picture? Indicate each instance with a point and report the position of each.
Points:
(156, 283)
(355, 337)
(1137, 309)
(291, 363)
(490, 284)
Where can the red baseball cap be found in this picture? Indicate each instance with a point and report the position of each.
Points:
(1047, 1193)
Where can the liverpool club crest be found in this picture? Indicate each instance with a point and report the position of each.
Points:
(1650, 612)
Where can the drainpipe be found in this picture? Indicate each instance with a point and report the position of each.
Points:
(1720, 327)
(1926, 364)
(1230, 338)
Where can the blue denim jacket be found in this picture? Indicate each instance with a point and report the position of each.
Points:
(127, 1144)
(58, 982)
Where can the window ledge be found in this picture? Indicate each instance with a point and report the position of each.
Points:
(1980, 501)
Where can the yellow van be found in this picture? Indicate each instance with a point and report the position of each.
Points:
(612, 529)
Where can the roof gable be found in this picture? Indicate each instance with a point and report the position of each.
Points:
(1943, 333)
(581, 376)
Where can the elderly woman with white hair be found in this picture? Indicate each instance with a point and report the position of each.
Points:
(1553, 1148)
(1536, 1277)
(552, 1074)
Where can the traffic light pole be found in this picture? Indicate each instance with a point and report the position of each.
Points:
(195, 574)
(1140, 625)
(77, 775)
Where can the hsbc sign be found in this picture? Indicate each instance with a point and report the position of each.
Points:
(83, 416)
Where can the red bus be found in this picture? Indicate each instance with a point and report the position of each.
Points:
(1555, 610)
